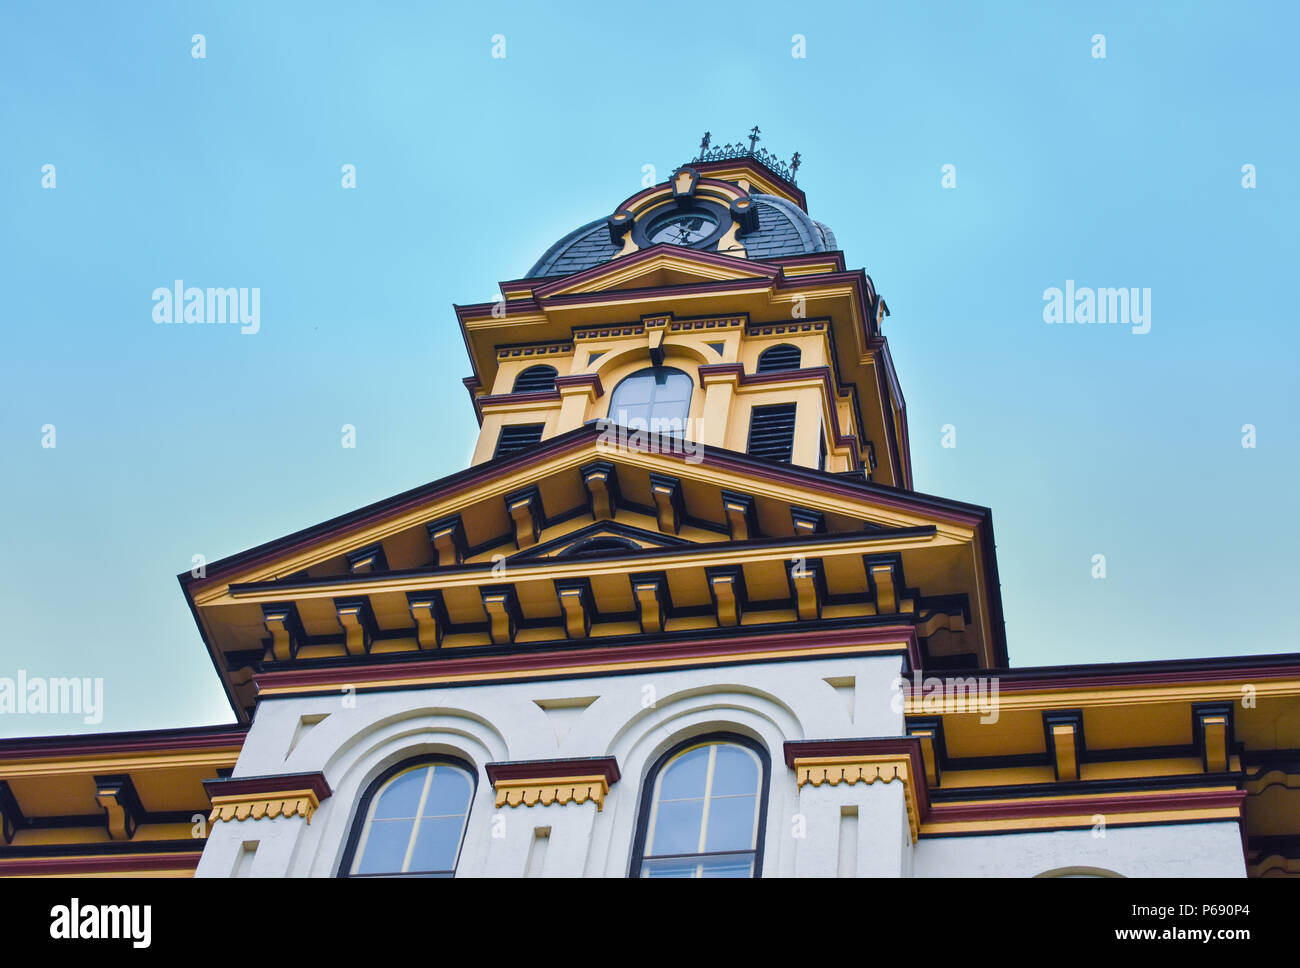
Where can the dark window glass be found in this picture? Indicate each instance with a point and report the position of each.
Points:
(783, 357)
(535, 379)
(516, 437)
(771, 432)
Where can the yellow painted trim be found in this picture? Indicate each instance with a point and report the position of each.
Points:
(873, 768)
(547, 791)
(289, 803)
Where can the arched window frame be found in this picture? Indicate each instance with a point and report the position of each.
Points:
(652, 781)
(773, 355)
(362, 815)
(613, 412)
(552, 374)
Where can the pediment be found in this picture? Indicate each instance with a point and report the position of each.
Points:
(662, 266)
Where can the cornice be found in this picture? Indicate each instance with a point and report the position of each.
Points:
(871, 760)
(528, 783)
(287, 795)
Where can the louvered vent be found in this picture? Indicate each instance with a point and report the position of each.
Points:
(771, 432)
(783, 357)
(535, 379)
(516, 437)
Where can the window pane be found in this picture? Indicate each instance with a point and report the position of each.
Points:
(635, 389)
(386, 845)
(401, 798)
(685, 775)
(734, 866)
(735, 771)
(448, 794)
(437, 843)
(669, 868)
(731, 824)
(677, 827)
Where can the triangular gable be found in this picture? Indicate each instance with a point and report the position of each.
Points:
(660, 266)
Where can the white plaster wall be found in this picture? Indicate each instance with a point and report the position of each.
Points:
(635, 718)
(1157, 850)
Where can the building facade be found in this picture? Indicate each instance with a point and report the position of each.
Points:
(684, 615)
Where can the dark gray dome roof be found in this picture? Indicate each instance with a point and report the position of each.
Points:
(783, 229)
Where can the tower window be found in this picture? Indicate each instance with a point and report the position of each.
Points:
(535, 379)
(783, 357)
(703, 811)
(516, 437)
(657, 399)
(771, 432)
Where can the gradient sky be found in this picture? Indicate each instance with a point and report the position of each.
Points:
(175, 440)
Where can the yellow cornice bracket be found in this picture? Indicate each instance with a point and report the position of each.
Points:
(669, 505)
(266, 797)
(742, 518)
(1213, 727)
(1065, 743)
(726, 585)
(805, 581)
(648, 591)
(424, 610)
(447, 535)
(502, 611)
(656, 328)
(601, 482)
(281, 623)
(123, 811)
(882, 575)
(525, 509)
(355, 617)
(575, 599)
(553, 782)
(863, 768)
(929, 756)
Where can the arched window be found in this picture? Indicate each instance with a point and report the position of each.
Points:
(783, 357)
(657, 398)
(703, 811)
(411, 821)
(535, 379)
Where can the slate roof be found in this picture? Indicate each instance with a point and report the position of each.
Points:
(783, 229)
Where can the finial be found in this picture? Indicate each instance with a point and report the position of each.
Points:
(704, 145)
(794, 165)
(753, 137)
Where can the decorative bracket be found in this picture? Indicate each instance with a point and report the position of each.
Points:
(123, 811)
(447, 535)
(546, 782)
(255, 797)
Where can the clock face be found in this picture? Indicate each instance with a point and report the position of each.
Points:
(681, 228)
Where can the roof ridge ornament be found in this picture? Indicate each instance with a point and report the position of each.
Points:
(764, 157)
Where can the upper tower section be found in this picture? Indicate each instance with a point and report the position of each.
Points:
(711, 307)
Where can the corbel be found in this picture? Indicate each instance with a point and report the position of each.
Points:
(367, 560)
(656, 328)
(429, 615)
(806, 521)
(669, 504)
(286, 631)
(807, 587)
(885, 583)
(930, 734)
(11, 815)
(742, 518)
(1212, 731)
(123, 812)
(530, 783)
(601, 481)
(745, 214)
(727, 588)
(447, 535)
(359, 625)
(577, 606)
(1063, 731)
(502, 607)
(525, 509)
(255, 797)
(651, 594)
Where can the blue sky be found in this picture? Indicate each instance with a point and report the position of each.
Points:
(225, 171)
